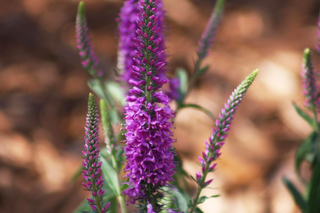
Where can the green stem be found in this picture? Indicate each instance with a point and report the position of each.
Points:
(119, 196)
(203, 179)
(193, 78)
(96, 198)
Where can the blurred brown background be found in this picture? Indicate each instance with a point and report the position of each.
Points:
(43, 96)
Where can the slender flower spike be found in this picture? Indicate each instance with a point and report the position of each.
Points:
(219, 134)
(128, 25)
(318, 43)
(150, 164)
(211, 29)
(308, 80)
(92, 166)
(88, 57)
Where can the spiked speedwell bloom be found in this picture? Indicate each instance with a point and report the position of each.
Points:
(309, 81)
(128, 24)
(209, 33)
(89, 59)
(149, 140)
(92, 166)
(220, 132)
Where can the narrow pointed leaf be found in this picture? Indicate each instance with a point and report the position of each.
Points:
(110, 175)
(314, 193)
(301, 203)
(306, 117)
(304, 151)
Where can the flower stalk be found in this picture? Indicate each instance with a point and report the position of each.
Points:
(91, 165)
(89, 60)
(219, 133)
(206, 42)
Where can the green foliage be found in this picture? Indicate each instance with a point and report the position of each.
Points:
(306, 117)
(204, 198)
(198, 210)
(116, 92)
(301, 203)
(305, 151)
(314, 193)
(110, 176)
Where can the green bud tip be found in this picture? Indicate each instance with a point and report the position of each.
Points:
(219, 6)
(91, 101)
(81, 10)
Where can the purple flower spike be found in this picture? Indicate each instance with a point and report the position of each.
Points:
(211, 29)
(92, 166)
(127, 27)
(128, 48)
(219, 133)
(88, 57)
(149, 153)
(309, 81)
(318, 43)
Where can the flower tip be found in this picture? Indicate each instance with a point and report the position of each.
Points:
(81, 10)
(306, 51)
(92, 101)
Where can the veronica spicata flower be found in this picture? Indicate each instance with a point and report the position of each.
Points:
(210, 31)
(149, 139)
(310, 89)
(129, 16)
(89, 59)
(318, 43)
(219, 134)
(92, 166)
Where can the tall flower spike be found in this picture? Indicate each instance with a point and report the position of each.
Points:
(219, 133)
(211, 29)
(128, 24)
(88, 57)
(318, 43)
(309, 81)
(91, 165)
(150, 164)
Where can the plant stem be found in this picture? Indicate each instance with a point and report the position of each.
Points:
(119, 196)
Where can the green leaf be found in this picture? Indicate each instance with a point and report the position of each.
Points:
(96, 88)
(305, 151)
(204, 198)
(183, 79)
(116, 92)
(198, 210)
(180, 201)
(203, 71)
(301, 203)
(306, 117)
(110, 175)
(314, 193)
(195, 106)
